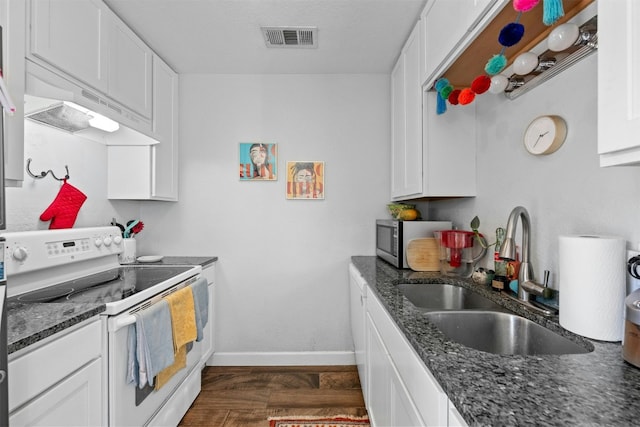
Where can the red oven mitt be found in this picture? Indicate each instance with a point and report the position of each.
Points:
(64, 209)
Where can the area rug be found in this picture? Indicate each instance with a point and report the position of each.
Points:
(316, 421)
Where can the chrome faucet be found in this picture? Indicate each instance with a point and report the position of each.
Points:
(526, 281)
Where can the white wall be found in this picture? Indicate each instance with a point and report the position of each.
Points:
(87, 160)
(566, 192)
(282, 272)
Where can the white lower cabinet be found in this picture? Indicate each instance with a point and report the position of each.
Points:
(59, 382)
(399, 389)
(378, 381)
(390, 404)
(72, 402)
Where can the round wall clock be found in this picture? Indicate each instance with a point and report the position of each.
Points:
(545, 134)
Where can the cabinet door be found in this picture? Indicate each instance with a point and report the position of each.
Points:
(165, 127)
(618, 90)
(357, 312)
(75, 401)
(445, 25)
(413, 112)
(403, 411)
(130, 62)
(398, 130)
(406, 106)
(378, 378)
(389, 402)
(71, 36)
(12, 20)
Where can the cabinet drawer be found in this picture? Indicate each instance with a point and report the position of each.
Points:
(75, 401)
(36, 370)
(428, 396)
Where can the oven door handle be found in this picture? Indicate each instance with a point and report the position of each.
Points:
(121, 322)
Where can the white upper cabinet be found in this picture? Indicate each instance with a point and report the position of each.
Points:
(618, 90)
(406, 121)
(85, 41)
(12, 20)
(165, 127)
(150, 172)
(129, 68)
(426, 146)
(71, 35)
(444, 28)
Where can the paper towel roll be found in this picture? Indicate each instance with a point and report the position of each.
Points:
(592, 285)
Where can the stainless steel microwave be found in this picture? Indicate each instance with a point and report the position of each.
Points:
(392, 237)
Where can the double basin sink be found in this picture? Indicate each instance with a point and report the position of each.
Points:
(470, 319)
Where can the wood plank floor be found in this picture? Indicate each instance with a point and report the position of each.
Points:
(247, 396)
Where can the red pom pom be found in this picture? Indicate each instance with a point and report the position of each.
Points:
(481, 84)
(466, 96)
(453, 97)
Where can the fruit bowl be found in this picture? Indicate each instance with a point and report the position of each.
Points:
(396, 209)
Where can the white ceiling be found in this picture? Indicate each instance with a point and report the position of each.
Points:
(223, 36)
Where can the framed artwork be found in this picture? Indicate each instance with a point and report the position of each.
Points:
(305, 180)
(258, 161)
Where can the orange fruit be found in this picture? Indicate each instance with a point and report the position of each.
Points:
(408, 214)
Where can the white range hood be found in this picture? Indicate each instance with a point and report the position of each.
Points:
(54, 101)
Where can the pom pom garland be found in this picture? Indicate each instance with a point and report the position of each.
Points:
(524, 5)
(496, 64)
(511, 34)
(441, 83)
(466, 96)
(481, 84)
(445, 92)
(441, 105)
(453, 97)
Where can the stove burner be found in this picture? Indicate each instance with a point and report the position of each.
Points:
(45, 295)
(107, 293)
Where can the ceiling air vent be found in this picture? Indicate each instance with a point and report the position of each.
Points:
(300, 37)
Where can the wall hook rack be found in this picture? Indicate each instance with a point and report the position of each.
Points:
(43, 173)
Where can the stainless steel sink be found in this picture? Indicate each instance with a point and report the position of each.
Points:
(502, 333)
(442, 296)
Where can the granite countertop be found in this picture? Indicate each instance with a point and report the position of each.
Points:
(596, 388)
(28, 323)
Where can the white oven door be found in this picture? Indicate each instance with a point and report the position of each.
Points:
(129, 405)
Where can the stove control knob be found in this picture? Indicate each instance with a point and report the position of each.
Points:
(98, 242)
(107, 241)
(20, 253)
(117, 240)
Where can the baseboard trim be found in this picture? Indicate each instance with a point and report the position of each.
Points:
(302, 358)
